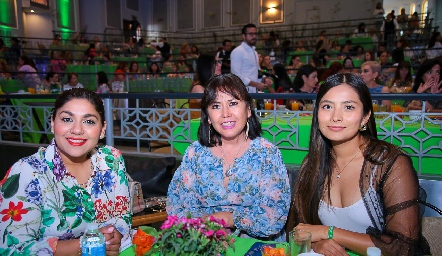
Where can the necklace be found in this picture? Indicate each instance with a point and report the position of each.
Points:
(229, 171)
(83, 185)
(339, 173)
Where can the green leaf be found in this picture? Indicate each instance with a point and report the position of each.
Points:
(150, 231)
(11, 240)
(77, 223)
(10, 187)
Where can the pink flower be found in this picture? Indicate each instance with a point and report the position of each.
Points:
(220, 233)
(209, 233)
(171, 220)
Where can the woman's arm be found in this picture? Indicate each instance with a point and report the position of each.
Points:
(401, 232)
(386, 102)
(23, 224)
(268, 215)
(181, 196)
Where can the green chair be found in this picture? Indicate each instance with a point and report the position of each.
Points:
(12, 85)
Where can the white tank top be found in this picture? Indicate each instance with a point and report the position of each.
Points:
(353, 218)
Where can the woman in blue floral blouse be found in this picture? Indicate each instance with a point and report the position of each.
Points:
(48, 198)
(231, 172)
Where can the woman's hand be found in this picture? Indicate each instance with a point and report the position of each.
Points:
(436, 87)
(226, 216)
(113, 239)
(425, 86)
(319, 232)
(328, 247)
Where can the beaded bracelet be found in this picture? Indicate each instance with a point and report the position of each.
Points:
(330, 232)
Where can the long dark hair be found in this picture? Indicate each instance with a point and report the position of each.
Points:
(433, 38)
(427, 65)
(102, 79)
(303, 70)
(397, 75)
(233, 86)
(282, 78)
(317, 167)
(79, 93)
(204, 68)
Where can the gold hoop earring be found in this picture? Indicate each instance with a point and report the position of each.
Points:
(363, 128)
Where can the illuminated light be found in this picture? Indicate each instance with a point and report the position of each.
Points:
(32, 10)
(272, 8)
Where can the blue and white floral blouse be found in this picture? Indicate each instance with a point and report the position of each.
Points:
(258, 192)
(41, 202)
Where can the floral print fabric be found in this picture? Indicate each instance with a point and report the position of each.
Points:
(41, 202)
(257, 194)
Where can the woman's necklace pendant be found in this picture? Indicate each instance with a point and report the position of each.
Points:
(229, 171)
(339, 176)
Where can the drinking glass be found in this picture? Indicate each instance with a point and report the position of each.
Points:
(295, 106)
(300, 242)
(375, 106)
(268, 105)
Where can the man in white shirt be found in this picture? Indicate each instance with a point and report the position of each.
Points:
(244, 61)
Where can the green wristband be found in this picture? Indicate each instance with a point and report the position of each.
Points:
(330, 232)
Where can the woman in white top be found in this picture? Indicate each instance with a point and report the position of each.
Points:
(72, 82)
(434, 47)
(354, 191)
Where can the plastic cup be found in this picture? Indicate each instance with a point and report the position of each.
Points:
(415, 115)
(300, 242)
(31, 90)
(295, 106)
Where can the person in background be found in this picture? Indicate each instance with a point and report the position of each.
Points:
(414, 24)
(90, 53)
(354, 191)
(402, 19)
(402, 79)
(154, 70)
(369, 56)
(134, 73)
(58, 64)
(282, 82)
(72, 82)
(194, 52)
(361, 31)
(163, 46)
(121, 70)
(403, 44)
(266, 64)
(50, 83)
(231, 172)
(349, 65)
(369, 73)
(434, 47)
(103, 83)
(5, 71)
(378, 14)
(428, 80)
(206, 67)
(66, 185)
(305, 82)
(295, 65)
(133, 25)
(224, 55)
(389, 27)
(244, 61)
(28, 72)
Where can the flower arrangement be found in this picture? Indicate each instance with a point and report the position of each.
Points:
(184, 237)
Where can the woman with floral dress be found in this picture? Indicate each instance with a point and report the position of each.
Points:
(48, 198)
(232, 173)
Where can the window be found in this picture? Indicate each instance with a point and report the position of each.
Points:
(412, 9)
(424, 11)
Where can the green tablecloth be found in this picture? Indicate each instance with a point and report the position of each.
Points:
(283, 131)
(12, 85)
(242, 246)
